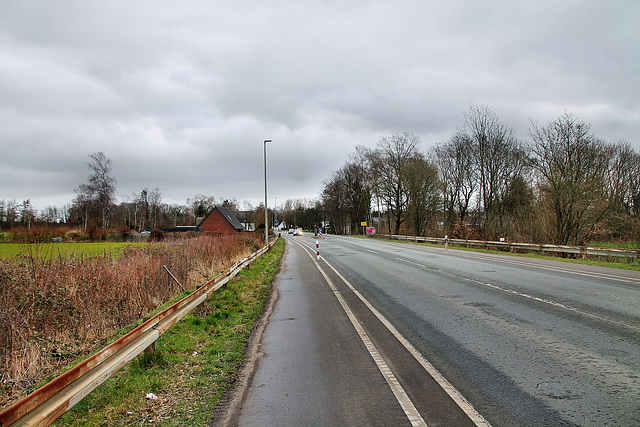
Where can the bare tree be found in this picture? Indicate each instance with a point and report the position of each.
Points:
(103, 185)
(64, 213)
(9, 213)
(624, 192)
(143, 202)
(421, 181)
(624, 182)
(155, 203)
(51, 215)
(288, 213)
(175, 211)
(499, 157)
(457, 173)
(27, 213)
(232, 204)
(357, 188)
(96, 198)
(125, 207)
(372, 160)
(137, 208)
(389, 160)
(82, 204)
(200, 205)
(12, 213)
(572, 167)
(333, 198)
(518, 212)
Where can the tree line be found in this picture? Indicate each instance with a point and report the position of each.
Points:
(96, 207)
(563, 185)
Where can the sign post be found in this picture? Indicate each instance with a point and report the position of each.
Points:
(364, 224)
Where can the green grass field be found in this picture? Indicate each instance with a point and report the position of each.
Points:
(46, 250)
(615, 245)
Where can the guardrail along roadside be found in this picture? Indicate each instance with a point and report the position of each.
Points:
(43, 406)
(579, 251)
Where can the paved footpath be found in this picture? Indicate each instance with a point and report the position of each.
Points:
(316, 369)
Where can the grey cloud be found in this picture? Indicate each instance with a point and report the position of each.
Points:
(180, 95)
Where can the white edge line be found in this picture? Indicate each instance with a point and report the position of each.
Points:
(457, 397)
(401, 395)
(410, 262)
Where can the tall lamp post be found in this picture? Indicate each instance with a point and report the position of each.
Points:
(266, 221)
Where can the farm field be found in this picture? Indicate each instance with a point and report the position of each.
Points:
(46, 250)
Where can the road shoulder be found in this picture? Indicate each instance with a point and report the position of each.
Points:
(226, 413)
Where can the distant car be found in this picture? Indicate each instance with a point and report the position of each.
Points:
(290, 231)
(298, 232)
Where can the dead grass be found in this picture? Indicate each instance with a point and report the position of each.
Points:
(55, 310)
(194, 363)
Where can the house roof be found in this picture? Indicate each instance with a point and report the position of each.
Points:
(226, 213)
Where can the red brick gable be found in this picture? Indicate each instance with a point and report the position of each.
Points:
(215, 222)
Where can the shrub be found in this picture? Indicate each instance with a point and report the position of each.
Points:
(124, 232)
(77, 234)
(156, 235)
(36, 234)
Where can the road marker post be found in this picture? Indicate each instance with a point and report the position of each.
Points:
(317, 250)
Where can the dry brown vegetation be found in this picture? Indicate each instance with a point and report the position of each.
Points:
(44, 233)
(55, 309)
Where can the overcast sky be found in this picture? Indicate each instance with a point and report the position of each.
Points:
(181, 94)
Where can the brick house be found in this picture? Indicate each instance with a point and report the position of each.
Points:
(220, 221)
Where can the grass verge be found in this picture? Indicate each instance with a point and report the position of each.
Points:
(193, 364)
(620, 264)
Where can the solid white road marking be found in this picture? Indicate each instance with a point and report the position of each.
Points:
(410, 262)
(457, 397)
(401, 395)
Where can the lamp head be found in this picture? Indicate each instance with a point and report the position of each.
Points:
(267, 141)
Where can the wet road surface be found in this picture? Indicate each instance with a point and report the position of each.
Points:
(471, 339)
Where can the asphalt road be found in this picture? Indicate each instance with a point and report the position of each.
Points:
(435, 338)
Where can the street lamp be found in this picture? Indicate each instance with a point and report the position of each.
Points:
(266, 221)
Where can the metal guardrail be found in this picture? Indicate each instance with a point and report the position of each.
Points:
(46, 404)
(582, 251)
